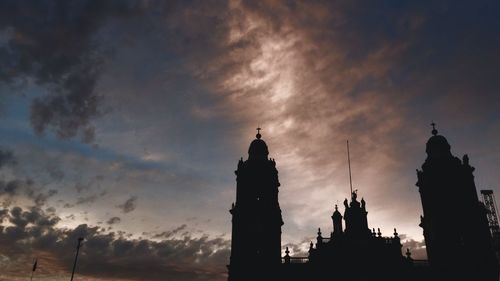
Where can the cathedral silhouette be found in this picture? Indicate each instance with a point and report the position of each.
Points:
(457, 235)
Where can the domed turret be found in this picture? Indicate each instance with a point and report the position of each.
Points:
(336, 213)
(258, 148)
(437, 146)
(337, 222)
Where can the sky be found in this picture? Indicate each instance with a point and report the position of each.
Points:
(123, 122)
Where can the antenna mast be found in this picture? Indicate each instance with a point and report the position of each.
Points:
(349, 163)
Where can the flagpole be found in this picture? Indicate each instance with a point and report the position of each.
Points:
(349, 163)
(80, 239)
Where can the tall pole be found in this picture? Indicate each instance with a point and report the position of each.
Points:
(34, 268)
(80, 239)
(349, 163)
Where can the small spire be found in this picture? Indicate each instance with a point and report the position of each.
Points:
(379, 234)
(395, 233)
(408, 253)
(287, 256)
(258, 133)
(319, 232)
(336, 208)
(465, 159)
(434, 131)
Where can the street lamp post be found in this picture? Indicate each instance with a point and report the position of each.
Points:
(80, 239)
(35, 262)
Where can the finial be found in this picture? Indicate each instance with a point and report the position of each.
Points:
(319, 231)
(336, 208)
(434, 131)
(408, 253)
(287, 256)
(379, 234)
(258, 133)
(395, 233)
(465, 159)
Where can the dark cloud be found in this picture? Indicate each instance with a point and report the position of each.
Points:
(106, 255)
(63, 47)
(11, 189)
(6, 157)
(55, 172)
(70, 217)
(86, 199)
(41, 198)
(82, 186)
(171, 233)
(114, 220)
(68, 205)
(129, 205)
(54, 43)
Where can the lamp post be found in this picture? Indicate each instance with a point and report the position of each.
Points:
(80, 239)
(35, 261)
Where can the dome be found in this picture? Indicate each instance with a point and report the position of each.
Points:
(258, 148)
(336, 213)
(437, 145)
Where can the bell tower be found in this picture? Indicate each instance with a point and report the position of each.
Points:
(256, 217)
(455, 227)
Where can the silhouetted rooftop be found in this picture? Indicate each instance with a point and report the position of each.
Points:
(258, 148)
(437, 145)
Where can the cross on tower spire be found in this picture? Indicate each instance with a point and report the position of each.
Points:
(434, 131)
(258, 133)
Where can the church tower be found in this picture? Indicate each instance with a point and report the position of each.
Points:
(455, 228)
(256, 217)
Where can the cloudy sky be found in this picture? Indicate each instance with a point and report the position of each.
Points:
(123, 121)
